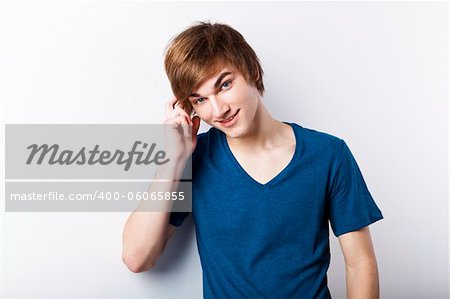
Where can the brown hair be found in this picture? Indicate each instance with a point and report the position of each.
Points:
(200, 51)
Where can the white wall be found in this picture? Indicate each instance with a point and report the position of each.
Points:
(372, 73)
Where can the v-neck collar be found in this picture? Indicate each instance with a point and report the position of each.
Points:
(275, 179)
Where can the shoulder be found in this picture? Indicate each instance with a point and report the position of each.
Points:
(320, 141)
(206, 140)
(207, 136)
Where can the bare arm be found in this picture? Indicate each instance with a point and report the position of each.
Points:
(360, 264)
(145, 234)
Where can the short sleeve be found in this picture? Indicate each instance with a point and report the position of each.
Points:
(351, 206)
(177, 218)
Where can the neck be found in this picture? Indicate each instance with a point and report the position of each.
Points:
(264, 132)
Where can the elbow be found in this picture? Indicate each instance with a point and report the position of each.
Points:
(140, 258)
(136, 264)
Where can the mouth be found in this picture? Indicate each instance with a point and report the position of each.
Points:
(231, 120)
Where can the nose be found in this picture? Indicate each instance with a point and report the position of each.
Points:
(219, 108)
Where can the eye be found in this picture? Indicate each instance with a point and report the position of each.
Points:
(197, 101)
(226, 84)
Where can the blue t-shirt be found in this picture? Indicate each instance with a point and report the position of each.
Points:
(272, 240)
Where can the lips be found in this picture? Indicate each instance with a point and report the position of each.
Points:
(229, 119)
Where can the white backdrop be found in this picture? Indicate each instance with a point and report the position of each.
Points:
(372, 73)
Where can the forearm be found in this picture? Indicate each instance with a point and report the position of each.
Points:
(145, 233)
(362, 280)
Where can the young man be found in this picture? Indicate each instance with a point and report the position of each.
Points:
(264, 191)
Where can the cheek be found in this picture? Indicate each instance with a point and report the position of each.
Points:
(237, 96)
(248, 97)
(203, 112)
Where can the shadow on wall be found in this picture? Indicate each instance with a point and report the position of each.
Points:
(176, 249)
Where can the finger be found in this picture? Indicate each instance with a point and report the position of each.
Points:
(178, 120)
(179, 111)
(170, 106)
(184, 125)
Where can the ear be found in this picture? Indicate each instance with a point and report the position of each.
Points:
(257, 75)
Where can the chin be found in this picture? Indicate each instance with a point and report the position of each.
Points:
(235, 132)
(231, 134)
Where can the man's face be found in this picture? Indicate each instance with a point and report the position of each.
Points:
(227, 94)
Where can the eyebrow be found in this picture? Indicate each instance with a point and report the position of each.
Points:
(216, 85)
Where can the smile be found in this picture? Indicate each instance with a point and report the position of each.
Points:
(229, 121)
